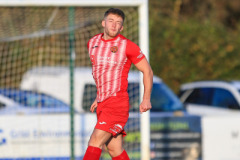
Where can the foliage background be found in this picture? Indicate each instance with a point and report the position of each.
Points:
(193, 40)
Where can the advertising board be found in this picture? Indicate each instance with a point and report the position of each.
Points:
(41, 136)
(48, 136)
(176, 138)
(221, 140)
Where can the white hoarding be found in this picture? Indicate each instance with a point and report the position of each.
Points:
(43, 135)
(221, 138)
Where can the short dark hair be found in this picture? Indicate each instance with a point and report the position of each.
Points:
(116, 11)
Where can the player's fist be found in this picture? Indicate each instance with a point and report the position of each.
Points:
(145, 105)
(93, 106)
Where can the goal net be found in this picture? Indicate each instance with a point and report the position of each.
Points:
(35, 53)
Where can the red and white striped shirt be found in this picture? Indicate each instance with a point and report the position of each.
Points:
(111, 61)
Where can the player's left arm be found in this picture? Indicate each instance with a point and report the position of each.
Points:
(146, 69)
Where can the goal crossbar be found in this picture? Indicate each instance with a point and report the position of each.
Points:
(72, 3)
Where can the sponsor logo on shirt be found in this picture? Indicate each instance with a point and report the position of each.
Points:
(114, 49)
(102, 59)
(102, 123)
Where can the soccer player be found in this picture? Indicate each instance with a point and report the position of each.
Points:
(111, 55)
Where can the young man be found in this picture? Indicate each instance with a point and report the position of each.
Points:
(111, 55)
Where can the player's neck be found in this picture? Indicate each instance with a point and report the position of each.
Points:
(107, 37)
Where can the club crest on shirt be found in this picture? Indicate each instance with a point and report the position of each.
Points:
(114, 49)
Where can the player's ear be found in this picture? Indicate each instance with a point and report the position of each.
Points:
(103, 23)
(121, 29)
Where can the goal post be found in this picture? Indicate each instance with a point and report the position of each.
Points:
(143, 40)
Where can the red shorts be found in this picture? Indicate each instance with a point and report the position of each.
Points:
(113, 113)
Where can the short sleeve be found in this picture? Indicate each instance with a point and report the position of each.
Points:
(133, 52)
(88, 44)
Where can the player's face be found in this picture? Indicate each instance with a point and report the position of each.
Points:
(113, 25)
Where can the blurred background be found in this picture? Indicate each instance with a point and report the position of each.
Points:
(192, 40)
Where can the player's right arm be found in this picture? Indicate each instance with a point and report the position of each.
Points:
(94, 105)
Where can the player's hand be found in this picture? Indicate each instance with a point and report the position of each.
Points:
(93, 106)
(145, 106)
